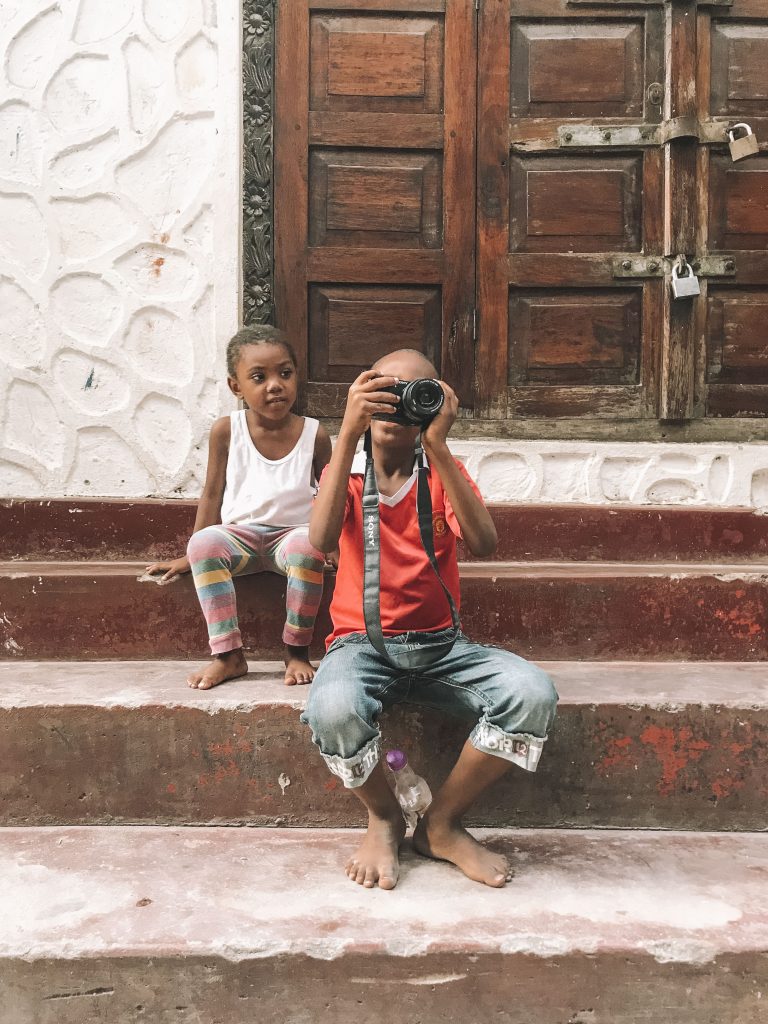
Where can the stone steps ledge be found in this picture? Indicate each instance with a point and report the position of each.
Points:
(157, 529)
(542, 610)
(648, 745)
(220, 925)
(670, 686)
(748, 571)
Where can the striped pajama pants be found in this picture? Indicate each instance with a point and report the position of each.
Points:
(218, 553)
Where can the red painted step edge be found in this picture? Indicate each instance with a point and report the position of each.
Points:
(120, 529)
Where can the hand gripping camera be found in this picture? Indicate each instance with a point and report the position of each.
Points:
(420, 401)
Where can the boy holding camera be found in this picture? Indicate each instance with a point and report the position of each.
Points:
(511, 701)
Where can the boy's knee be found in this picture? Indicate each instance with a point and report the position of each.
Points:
(339, 720)
(328, 713)
(528, 700)
(538, 696)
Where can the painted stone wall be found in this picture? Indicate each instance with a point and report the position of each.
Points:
(119, 246)
(603, 473)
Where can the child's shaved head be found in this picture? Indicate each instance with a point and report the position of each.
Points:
(405, 363)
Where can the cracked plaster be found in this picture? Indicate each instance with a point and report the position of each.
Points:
(120, 196)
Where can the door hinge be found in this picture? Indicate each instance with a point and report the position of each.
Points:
(474, 324)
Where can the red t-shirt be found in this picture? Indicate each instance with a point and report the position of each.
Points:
(411, 595)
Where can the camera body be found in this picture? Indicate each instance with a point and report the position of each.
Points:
(420, 401)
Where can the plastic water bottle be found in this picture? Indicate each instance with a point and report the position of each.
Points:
(412, 792)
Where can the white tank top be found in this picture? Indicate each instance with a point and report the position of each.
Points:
(269, 492)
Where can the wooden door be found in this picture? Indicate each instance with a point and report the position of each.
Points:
(374, 187)
(732, 339)
(560, 335)
(602, 159)
(570, 152)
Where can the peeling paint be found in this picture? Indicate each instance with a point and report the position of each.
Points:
(675, 749)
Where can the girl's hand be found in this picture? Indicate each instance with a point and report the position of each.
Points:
(177, 567)
(365, 399)
(437, 431)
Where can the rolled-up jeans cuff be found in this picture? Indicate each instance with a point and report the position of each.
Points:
(520, 748)
(354, 771)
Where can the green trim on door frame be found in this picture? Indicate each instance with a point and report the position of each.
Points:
(258, 196)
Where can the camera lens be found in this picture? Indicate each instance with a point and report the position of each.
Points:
(422, 399)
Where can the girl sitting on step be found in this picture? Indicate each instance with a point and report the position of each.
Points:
(263, 466)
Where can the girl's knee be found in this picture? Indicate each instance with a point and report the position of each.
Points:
(299, 552)
(206, 543)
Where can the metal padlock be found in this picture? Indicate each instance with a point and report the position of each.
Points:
(746, 145)
(685, 284)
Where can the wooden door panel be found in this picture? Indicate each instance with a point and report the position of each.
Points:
(372, 200)
(575, 337)
(575, 203)
(738, 202)
(574, 68)
(352, 327)
(566, 337)
(378, 101)
(364, 62)
(733, 82)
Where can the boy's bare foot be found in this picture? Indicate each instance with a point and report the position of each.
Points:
(298, 669)
(223, 667)
(377, 859)
(452, 842)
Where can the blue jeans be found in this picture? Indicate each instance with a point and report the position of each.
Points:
(512, 701)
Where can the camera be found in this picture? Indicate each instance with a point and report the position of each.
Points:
(420, 401)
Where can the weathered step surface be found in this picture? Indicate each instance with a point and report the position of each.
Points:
(644, 745)
(565, 610)
(234, 925)
(80, 528)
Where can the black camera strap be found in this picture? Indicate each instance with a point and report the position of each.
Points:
(413, 656)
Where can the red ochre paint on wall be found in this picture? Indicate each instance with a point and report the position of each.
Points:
(675, 750)
(618, 751)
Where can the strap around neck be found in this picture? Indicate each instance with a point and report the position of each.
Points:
(417, 657)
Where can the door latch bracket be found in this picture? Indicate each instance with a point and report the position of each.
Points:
(630, 266)
(620, 136)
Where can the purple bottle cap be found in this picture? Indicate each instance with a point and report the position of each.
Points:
(396, 760)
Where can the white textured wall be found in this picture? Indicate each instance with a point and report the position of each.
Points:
(610, 473)
(119, 240)
(119, 271)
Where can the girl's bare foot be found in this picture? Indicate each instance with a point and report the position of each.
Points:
(377, 859)
(223, 667)
(298, 672)
(450, 841)
(298, 669)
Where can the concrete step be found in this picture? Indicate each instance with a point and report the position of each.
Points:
(229, 926)
(81, 528)
(552, 610)
(635, 745)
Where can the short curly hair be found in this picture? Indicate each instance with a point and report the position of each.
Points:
(260, 334)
